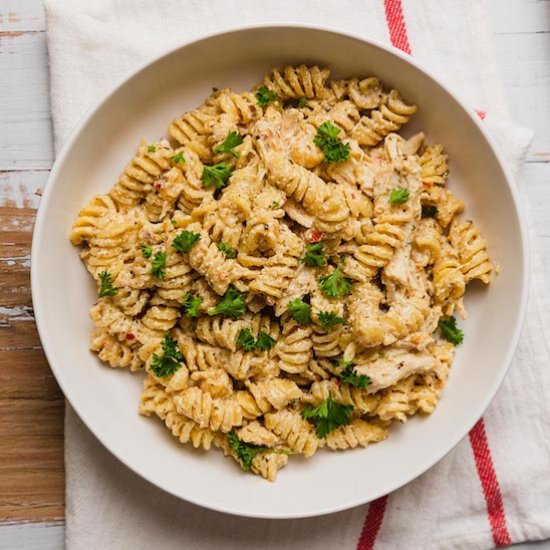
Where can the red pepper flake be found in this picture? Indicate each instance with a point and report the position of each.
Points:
(158, 185)
(427, 183)
(315, 236)
(130, 336)
(338, 382)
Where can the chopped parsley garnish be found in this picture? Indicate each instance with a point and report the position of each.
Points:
(191, 304)
(228, 252)
(264, 342)
(335, 285)
(216, 175)
(151, 148)
(328, 416)
(327, 140)
(185, 240)
(247, 451)
(399, 196)
(177, 158)
(169, 361)
(106, 288)
(300, 311)
(264, 96)
(232, 304)
(232, 140)
(275, 205)
(146, 250)
(329, 319)
(158, 265)
(314, 256)
(429, 211)
(246, 341)
(449, 330)
(302, 102)
(350, 377)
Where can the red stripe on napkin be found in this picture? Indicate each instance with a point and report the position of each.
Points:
(372, 524)
(396, 25)
(489, 484)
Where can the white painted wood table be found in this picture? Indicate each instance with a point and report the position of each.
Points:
(31, 405)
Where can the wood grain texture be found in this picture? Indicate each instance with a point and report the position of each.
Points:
(31, 404)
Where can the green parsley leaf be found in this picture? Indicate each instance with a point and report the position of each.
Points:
(264, 96)
(449, 330)
(146, 250)
(216, 175)
(328, 416)
(327, 140)
(232, 140)
(107, 288)
(185, 240)
(170, 361)
(151, 148)
(429, 211)
(350, 377)
(314, 256)
(329, 319)
(246, 340)
(399, 196)
(264, 341)
(342, 363)
(275, 205)
(247, 451)
(228, 252)
(177, 158)
(158, 265)
(191, 304)
(302, 102)
(335, 285)
(232, 304)
(300, 311)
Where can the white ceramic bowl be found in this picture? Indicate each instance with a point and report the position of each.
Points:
(107, 400)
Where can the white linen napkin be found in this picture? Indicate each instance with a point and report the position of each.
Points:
(494, 487)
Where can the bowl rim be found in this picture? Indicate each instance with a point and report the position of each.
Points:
(37, 291)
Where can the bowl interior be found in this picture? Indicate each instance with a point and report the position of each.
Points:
(107, 399)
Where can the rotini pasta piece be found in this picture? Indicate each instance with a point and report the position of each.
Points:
(357, 433)
(157, 321)
(138, 176)
(433, 164)
(297, 82)
(448, 206)
(326, 341)
(389, 117)
(154, 400)
(297, 432)
(256, 434)
(113, 351)
(193, 191)
(367, 93)
(209, 412)
(426, 242)
(91, 217)
(106, 315)
(448, 279)
(207, 259)
(268, 464)
(472, 251)
(294, 347)
(395, 402)
(333, 216)
(274, 393)
(243, 108)
(130, 300)
(216, 382)
(178, 279)
(303, 282)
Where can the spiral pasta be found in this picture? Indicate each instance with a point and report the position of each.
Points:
(283, 269)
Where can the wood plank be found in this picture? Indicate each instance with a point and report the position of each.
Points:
(21, 15)
(25, 126)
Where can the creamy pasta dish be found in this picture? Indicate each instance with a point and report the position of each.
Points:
(286, 269)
